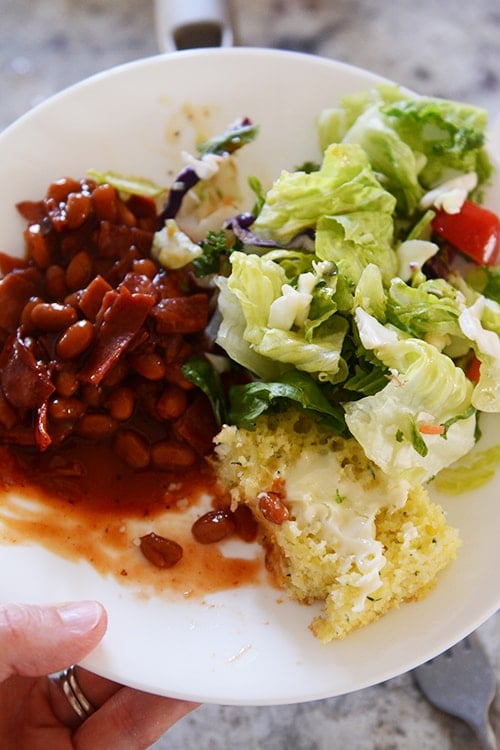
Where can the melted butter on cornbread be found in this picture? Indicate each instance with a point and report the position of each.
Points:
(356, 540)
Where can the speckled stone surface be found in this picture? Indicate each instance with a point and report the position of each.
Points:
(446, 49)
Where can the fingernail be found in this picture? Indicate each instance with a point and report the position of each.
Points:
(80, 617)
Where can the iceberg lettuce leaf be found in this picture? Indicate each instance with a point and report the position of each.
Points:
(410, 427)
(391, 156)
(486, 395)
(344, 183)
(230, 336)
(450, 134)
(255, 283)
(354, 240)
(428, 309)
(415, 142)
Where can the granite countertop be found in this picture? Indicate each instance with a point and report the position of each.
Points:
(433, 48)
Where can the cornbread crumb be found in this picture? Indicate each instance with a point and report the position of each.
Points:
(355, 539)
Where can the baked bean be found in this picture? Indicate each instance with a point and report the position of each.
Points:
(38, 246)
(105, 203)
(78, 208)
(175, 376)
(93, 395)
(132, 448)
(96, 426)
(149, 364)
(73, 299)
(125, 215)
(86, 248)
(66, 382)
(213, 526)
(172, 403)
(59, 190)
(87, 185)
(116, 374)
(145, 266)
(272, 507)
(75, 339)
(66, 408)
(52, 316)
(170, 455)
(120, 403)
(79, 271)
(175, 348)
(25, 318)
(55, 282)
(160, 551)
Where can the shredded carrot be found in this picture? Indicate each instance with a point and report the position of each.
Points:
(431, 429)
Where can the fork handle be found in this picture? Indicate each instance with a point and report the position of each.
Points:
(486, 736)
(187, 24)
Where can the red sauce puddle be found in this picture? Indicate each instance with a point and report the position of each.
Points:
(83, 503)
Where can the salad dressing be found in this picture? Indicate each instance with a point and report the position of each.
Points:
(341, 513)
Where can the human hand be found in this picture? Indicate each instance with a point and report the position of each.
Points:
(35, 714)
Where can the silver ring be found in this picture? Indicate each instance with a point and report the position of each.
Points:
(73, 692)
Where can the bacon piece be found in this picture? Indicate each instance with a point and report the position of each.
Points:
(197, 426)
(138, 283)
(119, 268)
(33, 211)
(26, 386)
(42, 437)
(10, 263)
(91, 298)
(181, 314)
(15, 290)
(121, 317)
(174, 283)
(144, 209)
(115, 239)
(26, 383)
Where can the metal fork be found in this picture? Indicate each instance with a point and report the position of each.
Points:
(461, 682)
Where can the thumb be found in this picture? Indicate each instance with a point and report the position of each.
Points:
(38, 640)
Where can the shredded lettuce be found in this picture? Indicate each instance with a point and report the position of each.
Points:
(473, 470)
(399, 427)
(255, 283)
(128, 185)
(345, 182)
(356, 239)
(486, 396)
(416, 143)
(341, 300)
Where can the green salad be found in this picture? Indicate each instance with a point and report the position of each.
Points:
(365, 288)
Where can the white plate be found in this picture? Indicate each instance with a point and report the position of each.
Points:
(244, 646)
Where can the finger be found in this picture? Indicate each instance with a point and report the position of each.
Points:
(130, 720)
(97, 690)
(38, 640)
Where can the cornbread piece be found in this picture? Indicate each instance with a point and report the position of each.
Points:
(335, 527)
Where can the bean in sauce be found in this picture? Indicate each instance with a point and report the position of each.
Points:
(97, 420)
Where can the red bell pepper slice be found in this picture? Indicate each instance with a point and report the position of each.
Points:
(475, 231)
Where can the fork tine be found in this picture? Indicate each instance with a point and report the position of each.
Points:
(461, 682)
